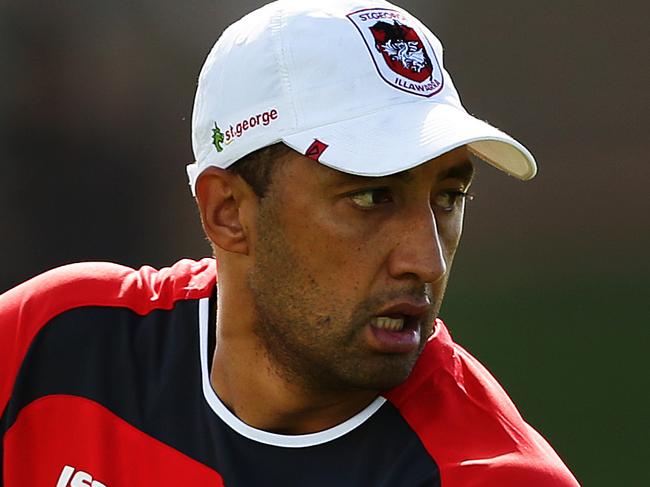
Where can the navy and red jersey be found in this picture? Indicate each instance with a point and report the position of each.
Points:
(104, 382)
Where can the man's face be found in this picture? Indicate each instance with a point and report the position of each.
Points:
(349, 272)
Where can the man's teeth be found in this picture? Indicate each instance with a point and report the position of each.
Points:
(386, 323)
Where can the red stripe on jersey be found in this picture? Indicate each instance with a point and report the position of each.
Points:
(25, 309)
(69, 431)
(469, 425)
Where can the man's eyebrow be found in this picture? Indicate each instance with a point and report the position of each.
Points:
(463, 171)
(402, 175)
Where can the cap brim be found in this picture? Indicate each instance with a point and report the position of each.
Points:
(403, 136)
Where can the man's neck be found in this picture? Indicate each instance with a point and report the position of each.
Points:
(257, 394)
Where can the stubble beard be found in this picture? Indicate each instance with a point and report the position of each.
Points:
(308, 339)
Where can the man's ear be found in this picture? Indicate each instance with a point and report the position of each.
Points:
(219, 196)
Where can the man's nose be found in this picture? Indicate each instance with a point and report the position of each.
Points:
(418, 252)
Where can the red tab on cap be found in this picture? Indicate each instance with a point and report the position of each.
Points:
(316, 150)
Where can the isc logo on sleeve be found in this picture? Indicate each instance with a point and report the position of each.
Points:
(71, 478)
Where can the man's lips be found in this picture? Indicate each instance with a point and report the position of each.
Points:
(396, 327)
(406, 308)
(410, 312)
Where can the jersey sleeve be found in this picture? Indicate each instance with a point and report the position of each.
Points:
(27, 308)
(518, 469)
(530, 460)
(470, 426)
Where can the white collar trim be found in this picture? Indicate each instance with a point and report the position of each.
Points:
(261, 436)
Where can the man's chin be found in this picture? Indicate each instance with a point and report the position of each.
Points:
(391, 372)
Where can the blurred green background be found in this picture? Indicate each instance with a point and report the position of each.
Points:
(550, 287)
(564, 327)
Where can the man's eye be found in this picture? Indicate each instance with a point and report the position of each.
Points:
(370, 198)
(448, 200)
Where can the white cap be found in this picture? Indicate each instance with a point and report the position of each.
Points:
(358, 85)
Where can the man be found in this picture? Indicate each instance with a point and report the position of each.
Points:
(332, 168)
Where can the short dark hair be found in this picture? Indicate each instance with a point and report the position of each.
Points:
(258, 167)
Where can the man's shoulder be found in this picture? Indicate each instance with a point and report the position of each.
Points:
(109, 284)
(467, 422)
(530, 469)
(445, 370)
(26, 309)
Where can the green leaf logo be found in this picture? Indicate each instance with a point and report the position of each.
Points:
(217, 137)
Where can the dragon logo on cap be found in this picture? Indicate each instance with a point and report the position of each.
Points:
(402, 49)
(402, 52)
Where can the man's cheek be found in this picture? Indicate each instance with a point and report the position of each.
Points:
(450, 245)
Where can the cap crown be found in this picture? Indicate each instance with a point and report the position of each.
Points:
(358, 85)
(295, 65)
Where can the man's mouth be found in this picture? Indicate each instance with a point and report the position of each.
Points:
(396, 328)
(399, 314)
